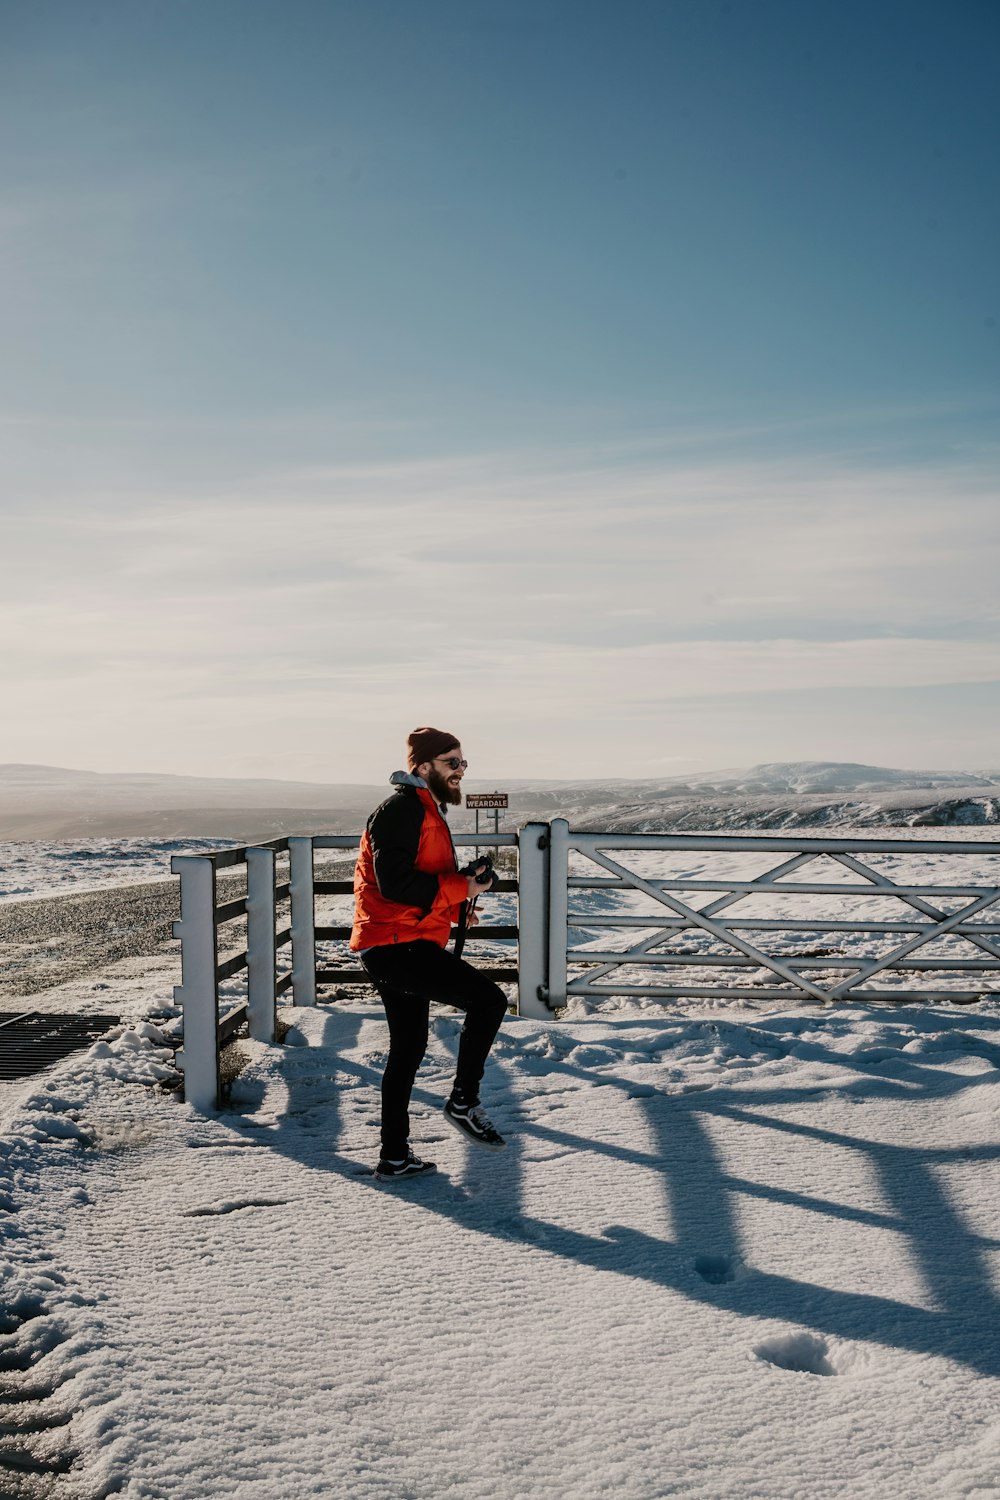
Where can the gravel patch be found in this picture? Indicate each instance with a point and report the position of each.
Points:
(50, 940)
(47, 942)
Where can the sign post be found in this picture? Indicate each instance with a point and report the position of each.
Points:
(494, 802)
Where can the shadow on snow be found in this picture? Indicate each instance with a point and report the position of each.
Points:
(704, 1260)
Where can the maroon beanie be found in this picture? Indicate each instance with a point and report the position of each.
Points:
(425, 744)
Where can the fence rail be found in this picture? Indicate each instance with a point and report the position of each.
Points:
(206, 1028)
(691, 947)
(207, 1022)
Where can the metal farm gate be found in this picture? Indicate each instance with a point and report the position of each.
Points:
(774, 934)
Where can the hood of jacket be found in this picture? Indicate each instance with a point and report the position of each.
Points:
(406, 778)
(403, 779)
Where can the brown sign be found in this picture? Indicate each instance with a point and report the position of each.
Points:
(487, 799)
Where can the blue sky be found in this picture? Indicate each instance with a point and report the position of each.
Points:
(616, 385)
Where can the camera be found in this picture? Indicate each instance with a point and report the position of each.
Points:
(485, 877)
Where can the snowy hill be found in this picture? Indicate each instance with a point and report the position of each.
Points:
(51, 802)
(809, 776)
(56, 802)
(798, 794)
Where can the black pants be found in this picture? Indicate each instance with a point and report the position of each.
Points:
(408, 976)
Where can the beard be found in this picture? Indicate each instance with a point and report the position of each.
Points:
(443, 789)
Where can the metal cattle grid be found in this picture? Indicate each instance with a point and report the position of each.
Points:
(32, 1040)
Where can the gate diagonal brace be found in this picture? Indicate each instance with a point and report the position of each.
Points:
(866, 970)
(925, 907)
(719, 904)
(718, 929)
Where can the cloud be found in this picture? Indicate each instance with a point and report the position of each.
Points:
(731, 543)
(564, 593)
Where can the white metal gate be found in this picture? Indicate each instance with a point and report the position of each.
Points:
(948, 929)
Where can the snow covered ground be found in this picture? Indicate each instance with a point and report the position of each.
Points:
(40, 867)
(741, 1249)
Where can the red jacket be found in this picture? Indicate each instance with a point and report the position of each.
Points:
(406, 882)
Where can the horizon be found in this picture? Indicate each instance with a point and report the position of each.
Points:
(719, 771)
(617, 384)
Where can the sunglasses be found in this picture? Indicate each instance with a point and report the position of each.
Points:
(452, 761)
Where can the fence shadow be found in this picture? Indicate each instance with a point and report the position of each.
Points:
(705, 1257)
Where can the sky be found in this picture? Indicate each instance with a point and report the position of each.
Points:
(613, 385)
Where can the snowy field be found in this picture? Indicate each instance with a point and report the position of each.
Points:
(36, 867)
(734, 1249)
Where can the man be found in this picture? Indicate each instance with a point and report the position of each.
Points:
(408, 891)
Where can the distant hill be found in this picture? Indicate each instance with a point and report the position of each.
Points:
(809, 777)
(56, 802)
(49, 786)
(52, 802)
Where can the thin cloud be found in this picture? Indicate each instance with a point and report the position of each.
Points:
(568, 596)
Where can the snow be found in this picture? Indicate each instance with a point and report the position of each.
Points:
(734, 1249)
(834, 776)
(39, 867)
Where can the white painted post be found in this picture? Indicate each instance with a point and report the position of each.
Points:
(198, 993)
(558, 910)
(532, 920)
(261, 951)
(300, 888)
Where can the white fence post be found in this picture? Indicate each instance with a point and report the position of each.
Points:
(300, 889)
(198, 992)
(261, 950)
(558, 910)
(532, 920)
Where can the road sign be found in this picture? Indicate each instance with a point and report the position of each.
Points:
(491, 800)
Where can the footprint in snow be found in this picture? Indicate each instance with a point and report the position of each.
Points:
(21, 1310)
(802, 1353)
(234, 1206)
(715, 1269)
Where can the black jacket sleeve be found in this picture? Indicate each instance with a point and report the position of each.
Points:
(394, 834)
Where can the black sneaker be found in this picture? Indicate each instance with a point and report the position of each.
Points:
(411, 1166)
(471, 1121)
